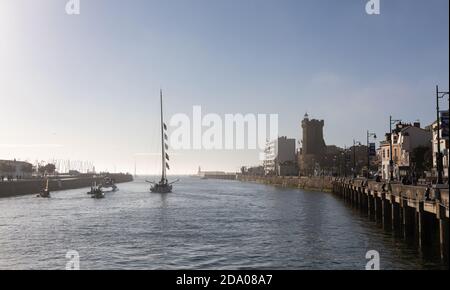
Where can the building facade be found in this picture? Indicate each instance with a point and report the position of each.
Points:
(15, 169)
(280, 157)
(405, 139)
(444, 144)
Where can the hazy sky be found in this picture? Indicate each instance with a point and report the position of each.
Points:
(86, 87)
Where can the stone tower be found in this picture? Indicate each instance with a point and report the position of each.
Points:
(313, 142)
(313, 145)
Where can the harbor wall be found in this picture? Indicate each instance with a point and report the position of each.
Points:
(220, 176)
(315, 183)
(34, 186)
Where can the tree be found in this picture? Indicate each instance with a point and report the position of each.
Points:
(49, 169)
(422, 160)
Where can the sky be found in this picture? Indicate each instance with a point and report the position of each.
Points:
(86, 87)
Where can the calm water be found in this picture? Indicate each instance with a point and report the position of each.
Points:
(205, 224)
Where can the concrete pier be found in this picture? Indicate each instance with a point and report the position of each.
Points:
(403, 209)
(420, 224)
(408, 215)
(395, 215)
(377, 207)
(370, 206)
(386, 212)
(442, 215)
(399, 208)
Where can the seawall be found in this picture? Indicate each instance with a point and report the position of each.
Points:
(26, 187)
(322, 183)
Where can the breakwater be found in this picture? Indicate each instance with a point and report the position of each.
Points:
(34, 186)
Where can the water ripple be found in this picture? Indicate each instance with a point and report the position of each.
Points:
(205, 224)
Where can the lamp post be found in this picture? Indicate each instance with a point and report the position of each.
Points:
(391, 161)
(345, 161)
(354, 155)
(368, 150)
(439, 165)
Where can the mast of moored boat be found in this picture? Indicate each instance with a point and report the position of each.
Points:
(163, 151)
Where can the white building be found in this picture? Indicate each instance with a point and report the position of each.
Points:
(280, 158)
(14, 169)
(444, 150)
(405, 138)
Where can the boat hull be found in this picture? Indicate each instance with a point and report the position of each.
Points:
(98, 195)
(44, 194)
(157, 188)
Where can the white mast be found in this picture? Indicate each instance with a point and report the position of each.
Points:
(163, 156)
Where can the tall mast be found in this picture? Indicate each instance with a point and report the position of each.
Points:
(163, 177)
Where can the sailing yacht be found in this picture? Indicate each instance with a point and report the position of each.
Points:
(163, 186)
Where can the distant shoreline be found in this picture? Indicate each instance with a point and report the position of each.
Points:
(28, 187)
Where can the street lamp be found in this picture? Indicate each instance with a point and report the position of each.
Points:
(391, 161)
(368, 150)
(345, 160)
(354, 155)
(439, 165)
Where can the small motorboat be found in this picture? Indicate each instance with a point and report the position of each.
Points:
(93, 188)
(96, 191)
(45, 192)
(108, 182)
